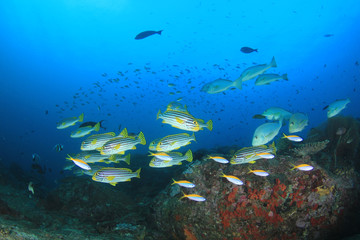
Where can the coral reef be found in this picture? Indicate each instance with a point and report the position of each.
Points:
(310, 148)
(285, 205)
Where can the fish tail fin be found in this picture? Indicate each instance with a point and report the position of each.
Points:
(97, 127)
(273, 147)
(238, 83)
(250, 171)
(159, 32)
(158, 114)
(183, 196)
(258, 116)
(124, 133)
(209, 125)
(174, 182)
(81, 117)
(127, 159)
(142, 138)
(284, 135)
(273, 62)
(255, 50)
(293, 166)
(189, 155)
(112, 158)
(285, 77)
(138, 173)
(193, 137)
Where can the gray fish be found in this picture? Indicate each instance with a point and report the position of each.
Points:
(146, 34)
(248, 50)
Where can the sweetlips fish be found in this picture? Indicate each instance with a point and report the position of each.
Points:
(266, 132)
(83, 131)
(183, 120)
(336, 107)
(94, 169)
(116, 158)
(176, 106)
(171, 142)
(252, 72)
(274, 114)
(251, 154)
(96, 141)
(266, 79)
(67, 122)
(177, 159)
(119, 145)
(114, 175)
(91, 157)
(217, 86)
(297, 122)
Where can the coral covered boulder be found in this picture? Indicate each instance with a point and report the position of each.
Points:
(287, 204)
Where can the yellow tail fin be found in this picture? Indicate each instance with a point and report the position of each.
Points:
(97, 127)
(210, 125)
(127, 159)
(81, 117)
(138, 173)
(189, 155)
(158, 114)
(142, 138)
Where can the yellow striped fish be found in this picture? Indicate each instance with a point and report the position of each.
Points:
(115, 175)
(177, 159)
(116, 158)
(119, 145)
(92, 157)
(67, 122)
(183, 120)
(171, 142)
(251, 154)
(96, 141)
(83, 131)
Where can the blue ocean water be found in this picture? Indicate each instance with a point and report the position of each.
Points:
(62, 57)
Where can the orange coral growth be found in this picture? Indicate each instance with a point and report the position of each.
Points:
(232, 195)
(317, 221)
(177, 217)
(188, 234)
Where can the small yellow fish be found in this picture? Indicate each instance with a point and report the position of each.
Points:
(183, 183)
(233, 179)
(293, 138)
(303, 167)
(260, 173)
(194, 197)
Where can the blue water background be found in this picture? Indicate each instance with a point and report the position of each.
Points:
(51, 49)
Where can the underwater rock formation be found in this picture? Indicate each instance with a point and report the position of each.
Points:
(285, 205)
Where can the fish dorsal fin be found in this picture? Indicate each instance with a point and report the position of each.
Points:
(124, 133)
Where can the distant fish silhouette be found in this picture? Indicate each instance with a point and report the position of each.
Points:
(328, 35)
(248, 50)
(146, 34)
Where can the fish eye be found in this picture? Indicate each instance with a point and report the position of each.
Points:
(194, 122)
(159, 143)
(292, 123)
